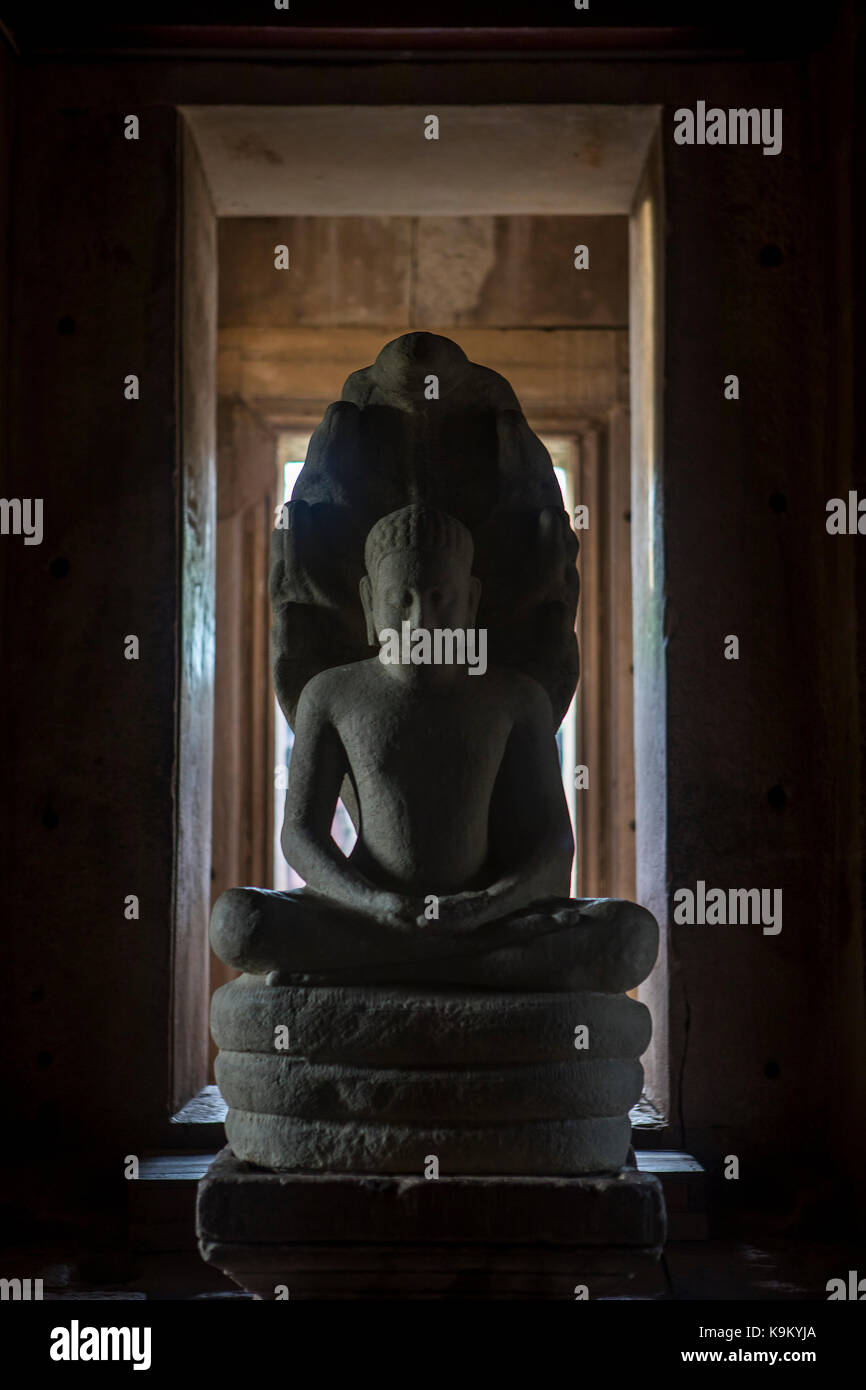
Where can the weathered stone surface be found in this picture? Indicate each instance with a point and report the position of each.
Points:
(414, 1028)
(576, 1089)
(542, 1146)
(239, 1203)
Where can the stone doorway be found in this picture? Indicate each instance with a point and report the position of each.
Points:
(492, 262)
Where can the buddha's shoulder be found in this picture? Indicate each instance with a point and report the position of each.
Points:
(338, 682)
(522, 692)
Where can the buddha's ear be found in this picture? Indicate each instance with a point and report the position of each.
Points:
(474, 598)
(366, 591)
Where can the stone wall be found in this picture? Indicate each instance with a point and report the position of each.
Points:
(504, 287)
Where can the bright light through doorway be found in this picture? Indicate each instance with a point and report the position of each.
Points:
(291, 473)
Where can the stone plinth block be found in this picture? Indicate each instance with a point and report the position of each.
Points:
(326, 1235)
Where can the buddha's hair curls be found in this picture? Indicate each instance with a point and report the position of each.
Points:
(417, 527)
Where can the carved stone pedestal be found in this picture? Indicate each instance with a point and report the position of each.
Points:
(377, 1080)
(359, 1236)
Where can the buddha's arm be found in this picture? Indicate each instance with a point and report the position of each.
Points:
(530, 830)
(531, 841)
(316, 772)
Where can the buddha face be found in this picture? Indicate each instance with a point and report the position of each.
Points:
(429, 590)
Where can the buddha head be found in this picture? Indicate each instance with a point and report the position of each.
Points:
(419, 571)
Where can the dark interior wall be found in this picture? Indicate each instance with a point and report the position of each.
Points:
(92, 779)
(90, 748)
(762, 751)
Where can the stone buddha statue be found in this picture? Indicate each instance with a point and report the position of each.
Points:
(461, 870)
(436, 990)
